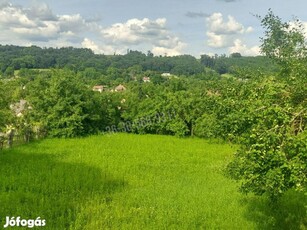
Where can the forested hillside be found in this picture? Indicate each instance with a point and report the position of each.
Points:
(78, 59)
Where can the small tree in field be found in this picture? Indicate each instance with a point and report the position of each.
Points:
(273, 158)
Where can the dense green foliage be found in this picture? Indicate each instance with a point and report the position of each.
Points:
(4, 105)
(238, 65)
(63, 105)
(16, 58)
(273, 157)
(134, 182)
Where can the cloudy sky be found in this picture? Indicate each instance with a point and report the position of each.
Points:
(171, 27)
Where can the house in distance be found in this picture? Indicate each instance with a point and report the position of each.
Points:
(99, 88)
(120, 88)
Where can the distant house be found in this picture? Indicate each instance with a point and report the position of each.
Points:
(146, 79)
(166, 75)
(98, 88)
(120, 88)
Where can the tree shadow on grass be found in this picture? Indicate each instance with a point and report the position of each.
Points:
(38, 185)
(289, 212)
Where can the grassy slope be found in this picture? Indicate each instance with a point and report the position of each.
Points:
(126, 181)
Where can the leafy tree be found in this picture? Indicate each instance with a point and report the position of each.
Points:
(273, 157)
(235, 55)
(207, 60)
(9, 72)
(150, 54)
(221, 66)
(63, 104)
(5, 114)
(284, 42)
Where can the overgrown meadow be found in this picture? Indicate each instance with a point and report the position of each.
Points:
(126, 181)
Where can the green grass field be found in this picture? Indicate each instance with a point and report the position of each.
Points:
(124, 181)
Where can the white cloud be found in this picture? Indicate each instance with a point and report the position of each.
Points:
(152, 33)
(45, 32)
(40, 10)
(13, 16)
(218, 40)
(87, 43)
(135, 31)
(243, 49)
(38, 23)
(163, 50)
(249, 29)
(216, 24)
(228, 34)
(73, 23)
(40, 26)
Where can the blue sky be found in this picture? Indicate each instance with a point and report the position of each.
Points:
(170, 27)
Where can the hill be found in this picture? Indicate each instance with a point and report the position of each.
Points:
(77, 59)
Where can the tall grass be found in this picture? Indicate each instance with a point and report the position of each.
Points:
(126, 181)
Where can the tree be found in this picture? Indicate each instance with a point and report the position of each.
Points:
(4, 107)
(221, 66)
(9, 72)
(150, 54)
(284, 42)
(63, 105)
(273, 157)
(207, 60)
(235, 55)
